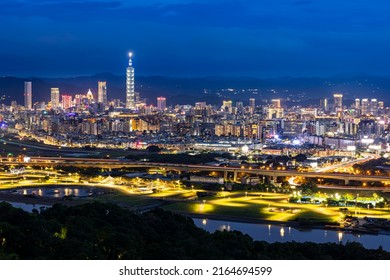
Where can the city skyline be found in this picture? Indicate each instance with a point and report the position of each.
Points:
(255, 118)
(195, 38)
(133, 99)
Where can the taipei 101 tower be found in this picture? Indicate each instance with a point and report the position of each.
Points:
(130, 96)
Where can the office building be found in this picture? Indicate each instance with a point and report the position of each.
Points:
(365, 106)
(102, 92)
(252, 103)
(130, 95)
(227, 105)
(161, 103)
(66, 101)
(55, 98)
(276, 103)
(337, 102)
(324, 104)
(28, 95)
(357, 104)
(374, 107)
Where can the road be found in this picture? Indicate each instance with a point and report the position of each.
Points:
(355, 188)
(331, 168)
(116, 163)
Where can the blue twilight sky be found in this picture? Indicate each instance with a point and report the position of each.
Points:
(260, 38)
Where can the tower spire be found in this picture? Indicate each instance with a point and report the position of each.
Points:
(130, 62)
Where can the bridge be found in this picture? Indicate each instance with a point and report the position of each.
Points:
(186, 168)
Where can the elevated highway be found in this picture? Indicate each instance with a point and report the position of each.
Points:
(185, 168)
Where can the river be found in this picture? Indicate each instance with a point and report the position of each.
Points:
(27, 207)
(267, 232)
(279, 233)
(55, 192)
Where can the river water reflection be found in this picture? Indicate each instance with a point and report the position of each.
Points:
(56, 192)
(276, 233)
(27, 207)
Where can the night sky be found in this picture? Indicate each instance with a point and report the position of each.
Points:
(259, 38)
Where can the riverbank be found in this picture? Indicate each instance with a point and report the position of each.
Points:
(237, 219)
(305, 224)
(299, 223)
(49, 201)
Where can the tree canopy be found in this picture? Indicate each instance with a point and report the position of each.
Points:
(106, 231)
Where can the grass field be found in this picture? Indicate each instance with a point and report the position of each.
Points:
(260, 206)
(168, 195)
(129, 200)
(269, 206)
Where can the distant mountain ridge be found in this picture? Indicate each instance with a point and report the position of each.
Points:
(209, 89)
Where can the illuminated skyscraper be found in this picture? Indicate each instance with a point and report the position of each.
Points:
(102, 93)
(161, 103)
(130, 95)
(252, 103)
(90, 96)
(338, 102)
(28, 95)
(357, 103)
(55, 98)
(200, 105)
(66, 101)
(227, 105)
(276, 103)
(364, 107)
(374, 107)
(324, 104)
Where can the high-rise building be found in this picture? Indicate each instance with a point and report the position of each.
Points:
(274, 112)
(116, 103)
(200, 105)
(338, 102)
(102, 92)
(276, 103)
(374, 107)
(357, 103)
(227, 105)
(28, 95)
(90, 96)
(66, 101)
(364, 106)
(252, 103)
(161, 103)
(55, 97)
(130, 95)
(324, 104)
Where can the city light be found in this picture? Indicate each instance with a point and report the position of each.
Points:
(234, 154)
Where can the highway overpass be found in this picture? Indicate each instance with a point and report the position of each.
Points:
(186, 168)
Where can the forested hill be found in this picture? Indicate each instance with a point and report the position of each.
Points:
(105, 231)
